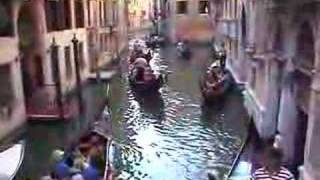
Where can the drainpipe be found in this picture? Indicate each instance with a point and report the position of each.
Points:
(56, 73)
(75, 42)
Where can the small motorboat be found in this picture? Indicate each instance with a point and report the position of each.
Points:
(215, 83)
(91, 154)
(11, 157)
(183, 50)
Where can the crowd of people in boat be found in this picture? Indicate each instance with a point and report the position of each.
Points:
(84, 161)
(139, 63)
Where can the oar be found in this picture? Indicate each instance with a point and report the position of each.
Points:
(236, 161)
(108, 171)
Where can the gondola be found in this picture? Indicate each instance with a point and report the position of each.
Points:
(213, 91)
(151, 83)
(89, 157)
(11, 157)
(148, 55)
(183, 50)
(155, 41)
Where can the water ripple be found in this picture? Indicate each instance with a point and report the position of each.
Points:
(175, 143)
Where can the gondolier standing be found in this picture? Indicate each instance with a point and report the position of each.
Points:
(272, 168)
(223, 56)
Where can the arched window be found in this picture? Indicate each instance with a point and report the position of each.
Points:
(25, 27)
(5, 21)
(278, 40)
(305, 46)
(243, 26)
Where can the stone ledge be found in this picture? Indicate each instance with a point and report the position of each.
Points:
(305, 174)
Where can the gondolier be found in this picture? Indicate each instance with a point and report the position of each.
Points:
(215, 82)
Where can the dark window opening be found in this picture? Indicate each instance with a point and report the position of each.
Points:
(6, 90)
(244, 27)
(114, 13)
(5, 22)
(235, 9)
(67, 57)
(79, 12)
(182, 7)
(101, 42)
(300, 139)
(67, 14)
(81, 58)
(305, 47)
(58, 15)
(39, 77)
(105, 14)
(25, 28)
(106, 42)
(253, 79)
(52, 15)
(203, 7)
(55, 64)
(89, 13)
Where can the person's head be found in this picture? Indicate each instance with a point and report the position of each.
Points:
(272, 159)
(84, 149)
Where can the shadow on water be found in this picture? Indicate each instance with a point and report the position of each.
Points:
(152, 104)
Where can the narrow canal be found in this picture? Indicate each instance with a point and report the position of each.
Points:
(170, 136)
(165, 136)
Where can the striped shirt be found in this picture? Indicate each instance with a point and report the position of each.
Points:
(263, 174)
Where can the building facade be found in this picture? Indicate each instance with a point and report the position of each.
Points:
(48, 46)
(189, 20)
(273, 50)
(12, 107)
(141, 13)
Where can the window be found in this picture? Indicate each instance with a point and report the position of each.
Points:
(235, 9)
(101, 42)
(253, 78)
(6, 91)
(52, 15)
(101, 14)
(114, 13)
(81, 58)
(105, 14)
(67, 57)
(89, 13)
(58, 15)
(203, 7)
(182, 7)
(67, 14)
(5, 22)
(79, 12)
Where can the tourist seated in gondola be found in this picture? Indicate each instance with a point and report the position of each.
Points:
(141, 53)
(135, 54)
(139, 62)
(213, 77)
(86, 160)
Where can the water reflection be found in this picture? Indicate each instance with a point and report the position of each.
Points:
(169, 135)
